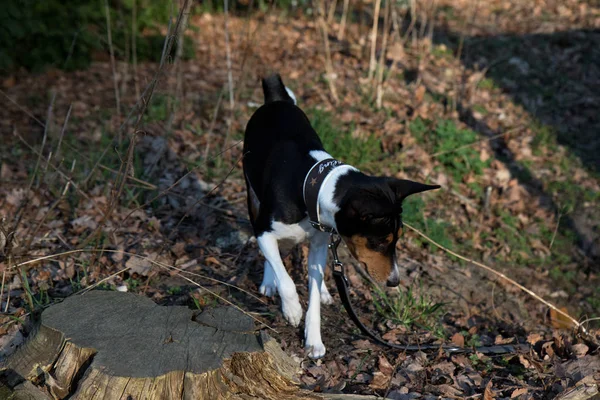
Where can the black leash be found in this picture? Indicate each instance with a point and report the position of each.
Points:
(341, 282)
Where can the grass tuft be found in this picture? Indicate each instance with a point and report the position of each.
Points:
(410, 309)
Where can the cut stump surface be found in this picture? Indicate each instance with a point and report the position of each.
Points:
(111, 345)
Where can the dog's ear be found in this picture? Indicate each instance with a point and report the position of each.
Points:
(404, 188)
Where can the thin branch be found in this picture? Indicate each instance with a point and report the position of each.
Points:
(501, 275)
(342, 28)
(134, 31)
(328, 64)
(112, 62)
(372, 61)
(229, 71)
(386, 29)
(486, 139)
(158, 263)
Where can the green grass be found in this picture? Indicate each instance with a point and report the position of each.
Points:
(445, 138)
(487, 84)
(410, 309)
(339, 142)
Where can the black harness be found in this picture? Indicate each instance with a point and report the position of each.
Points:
(313, 182)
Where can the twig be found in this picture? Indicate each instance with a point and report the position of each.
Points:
(62, 132)
(342, 28)
(112, 63)
(162, 265)
(229, 71)
(125, 167)
(134, 32)
(486, 139)
(41, 153)
(23, 109)
(212, 123)
(501, 275)
(372, 62)
(177, 97)
(331, 13)
(555, 230)
(165, 191)
(386, 28)
(328, 64)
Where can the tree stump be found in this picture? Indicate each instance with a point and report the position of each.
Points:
(111, 345)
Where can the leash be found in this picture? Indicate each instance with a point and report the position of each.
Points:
(339, 275)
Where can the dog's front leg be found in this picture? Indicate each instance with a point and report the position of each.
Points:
(317, 261)
(290, 304)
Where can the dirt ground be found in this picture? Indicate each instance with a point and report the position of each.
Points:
(183, 209)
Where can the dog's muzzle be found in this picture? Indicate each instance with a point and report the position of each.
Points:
(393, 281)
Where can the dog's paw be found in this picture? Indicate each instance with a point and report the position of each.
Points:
(326, 297)
(268, 289)
(292, 311)
(315, 350)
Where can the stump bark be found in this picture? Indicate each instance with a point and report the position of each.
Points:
(111, 345)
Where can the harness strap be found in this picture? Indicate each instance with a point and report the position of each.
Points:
(341, 282)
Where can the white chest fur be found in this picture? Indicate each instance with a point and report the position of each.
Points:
(295, 233)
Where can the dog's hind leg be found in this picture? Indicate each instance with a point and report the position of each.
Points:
(290, 304)
(317, 261)
(268, 286)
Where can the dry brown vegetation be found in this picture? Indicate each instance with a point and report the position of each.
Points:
(496, 101)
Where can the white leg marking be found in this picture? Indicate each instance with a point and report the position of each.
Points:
(317, 261)
(290, 304)
(325, 296)
(268, 286)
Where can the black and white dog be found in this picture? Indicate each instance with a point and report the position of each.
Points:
(297, 191)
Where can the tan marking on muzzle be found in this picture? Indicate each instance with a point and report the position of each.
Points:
(379, 266)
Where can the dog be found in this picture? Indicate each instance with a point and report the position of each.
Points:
(297, 191)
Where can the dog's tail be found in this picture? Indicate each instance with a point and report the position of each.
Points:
(275, 90)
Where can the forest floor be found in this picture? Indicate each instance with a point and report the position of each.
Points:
(498, 104)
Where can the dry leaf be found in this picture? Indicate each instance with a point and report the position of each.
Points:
(419, 94)
(518, 392)
(580, 350)
(380, 381)
(488, 394)
(559, 321)
(458, 339)
(141, 266)
(384, 366)
(533, 338)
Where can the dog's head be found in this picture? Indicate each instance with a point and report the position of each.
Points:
(370, 222)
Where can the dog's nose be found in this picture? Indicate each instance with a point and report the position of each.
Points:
(393, 281)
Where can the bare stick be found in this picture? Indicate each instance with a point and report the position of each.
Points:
(112, 62)
(41, 153)
(342, 28)
(372, 62)
(23, 109)
(177, 97)
(229, 71)
(501, 275)
(212, 123)
(125, 167)
(62, 132)
(386, 28)
(328, 63)
(134, 48)
(162, 265)
(487, 139)
(331, 13)
(555, 230)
